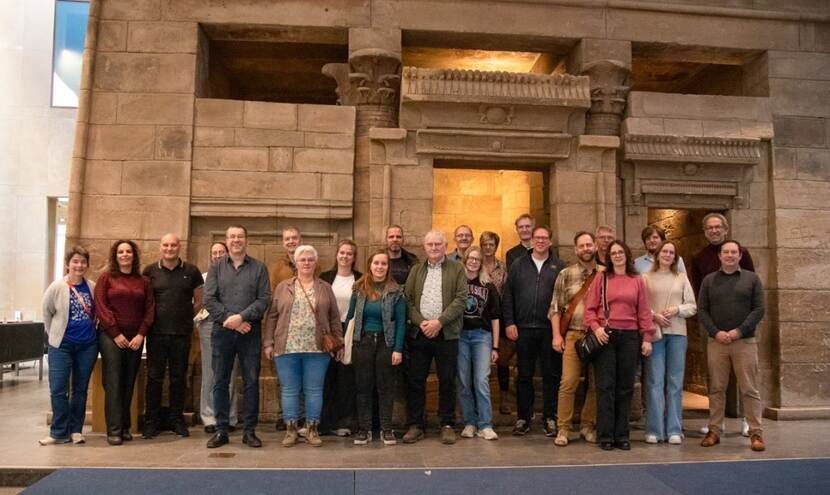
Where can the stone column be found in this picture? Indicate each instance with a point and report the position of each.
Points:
(370, 82)
(608, 65)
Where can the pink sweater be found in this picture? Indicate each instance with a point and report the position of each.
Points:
(627, 303)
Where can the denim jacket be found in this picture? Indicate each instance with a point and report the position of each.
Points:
(391, 326)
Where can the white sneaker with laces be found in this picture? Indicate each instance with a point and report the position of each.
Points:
(78, 438)
(675, 439)
(469, 431)
(48, 440)
(651, 438)
(487, 434)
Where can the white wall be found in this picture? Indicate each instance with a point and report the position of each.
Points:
(35, 152)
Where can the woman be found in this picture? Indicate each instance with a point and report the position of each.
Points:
(303, 311)
(69, 319)
(497, 271)
(478, 348)
(379, 310)
(618, 328)
(339, 390)
(125, 308)
(672, 301)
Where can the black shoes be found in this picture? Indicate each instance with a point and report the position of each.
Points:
(250, 439)
(622, 444)
(210, 429)
(606, 445)
(217, 440)
(150, 431)
(180, 429)
(522, 428)
(114, 439)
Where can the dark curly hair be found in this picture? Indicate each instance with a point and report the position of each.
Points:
(113, 268)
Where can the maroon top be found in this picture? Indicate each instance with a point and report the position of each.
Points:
(628, 307)
(124, 304)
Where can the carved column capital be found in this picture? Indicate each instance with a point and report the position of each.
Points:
(609, 90)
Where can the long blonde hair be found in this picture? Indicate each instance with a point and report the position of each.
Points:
(483, 276)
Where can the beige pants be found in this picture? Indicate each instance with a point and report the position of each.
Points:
(571, 372)
(742, 357)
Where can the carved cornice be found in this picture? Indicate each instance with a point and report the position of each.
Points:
(317, 209)
(469, 144)
(456, 85)
(745, 151)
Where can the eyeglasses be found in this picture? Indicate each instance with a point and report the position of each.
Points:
(538, 238)
(714, 227)
(477, 260)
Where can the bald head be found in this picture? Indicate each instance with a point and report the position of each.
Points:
(169, 248)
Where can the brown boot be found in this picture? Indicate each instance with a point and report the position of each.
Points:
(711, 439)
(757, 443)
(290, 434)
(313, 436)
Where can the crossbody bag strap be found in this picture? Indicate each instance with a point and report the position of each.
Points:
(605, 307)
(574, 302)
(80, 299)
(308, 300)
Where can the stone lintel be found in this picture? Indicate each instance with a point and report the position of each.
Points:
(387, 134)
(796, 413)
(592, 141)
(661, 148)
(530, 146)
(294, 208)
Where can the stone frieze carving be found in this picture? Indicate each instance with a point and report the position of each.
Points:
(692, 149)
(526, 146)
(419, 84)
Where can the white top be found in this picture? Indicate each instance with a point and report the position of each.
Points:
(538, 263)
(342, 287)
(665, 289)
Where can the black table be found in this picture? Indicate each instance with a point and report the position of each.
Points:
(22, 341)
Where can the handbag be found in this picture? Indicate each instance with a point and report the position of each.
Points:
(349, 342)
(331, 343)
(588, 346)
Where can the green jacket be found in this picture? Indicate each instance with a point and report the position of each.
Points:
(453, 297)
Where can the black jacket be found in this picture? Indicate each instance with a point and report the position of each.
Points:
(328, 276)
(528, 292)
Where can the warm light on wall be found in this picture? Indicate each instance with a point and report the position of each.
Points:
(453, 58)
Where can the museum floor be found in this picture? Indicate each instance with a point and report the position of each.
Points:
(24, 402)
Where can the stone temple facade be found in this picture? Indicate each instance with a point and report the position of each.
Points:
(343, 116)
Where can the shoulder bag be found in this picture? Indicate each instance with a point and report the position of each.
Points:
(331, 343)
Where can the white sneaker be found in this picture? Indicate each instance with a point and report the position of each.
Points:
(48, 440)
(675, 439)
(78, 438)
(487, 434)
(343, 432)
(744, 428)
(651, 438)
(302, 431)
(704, 429)
(469, 431)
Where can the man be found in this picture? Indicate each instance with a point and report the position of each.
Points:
(716, 229)
(730, 305)
(652, 237)
(400, 260)
(236, 296)
(285, 268)
(568, 303)
(168, 344)
(605, 235)
(463, 235)
(524, 228)
(436, 294)
(525, 304)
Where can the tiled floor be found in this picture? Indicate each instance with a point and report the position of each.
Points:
(24, 403)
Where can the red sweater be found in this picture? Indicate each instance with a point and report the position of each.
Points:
(627, 303)
(124, 304)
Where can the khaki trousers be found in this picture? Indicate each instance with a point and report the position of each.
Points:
(742, 357)
(571, 372)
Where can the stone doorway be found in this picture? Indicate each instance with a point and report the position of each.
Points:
(487, 199)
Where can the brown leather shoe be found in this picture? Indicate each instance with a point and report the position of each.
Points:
(711, 439)
(757, 443)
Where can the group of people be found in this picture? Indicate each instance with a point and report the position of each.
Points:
(465, 310)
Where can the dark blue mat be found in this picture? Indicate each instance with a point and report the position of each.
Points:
(734, 478)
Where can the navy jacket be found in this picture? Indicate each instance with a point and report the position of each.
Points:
(528, 292)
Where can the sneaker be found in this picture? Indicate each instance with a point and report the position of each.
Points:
(561, 439)
(51, 441)
(302, 431)
(589, 434)
(388, 437)
(363, 437)
(675, 439)
(413, 434)
(744, 428)
(78, 438)
(343, 432)
(550, 427)
(521, 428)
(651, 438)
(448, 436)
(487, 434)
(469, 431)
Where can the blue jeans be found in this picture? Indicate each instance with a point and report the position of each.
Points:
(75, 361)
(306, 371)
(228, 345)
(474, 347)
(664, 382)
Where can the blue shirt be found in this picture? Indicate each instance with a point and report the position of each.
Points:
(80, 329)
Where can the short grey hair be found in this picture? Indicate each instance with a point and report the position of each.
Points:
(436, 233)
(305, 248)
(720, 217)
